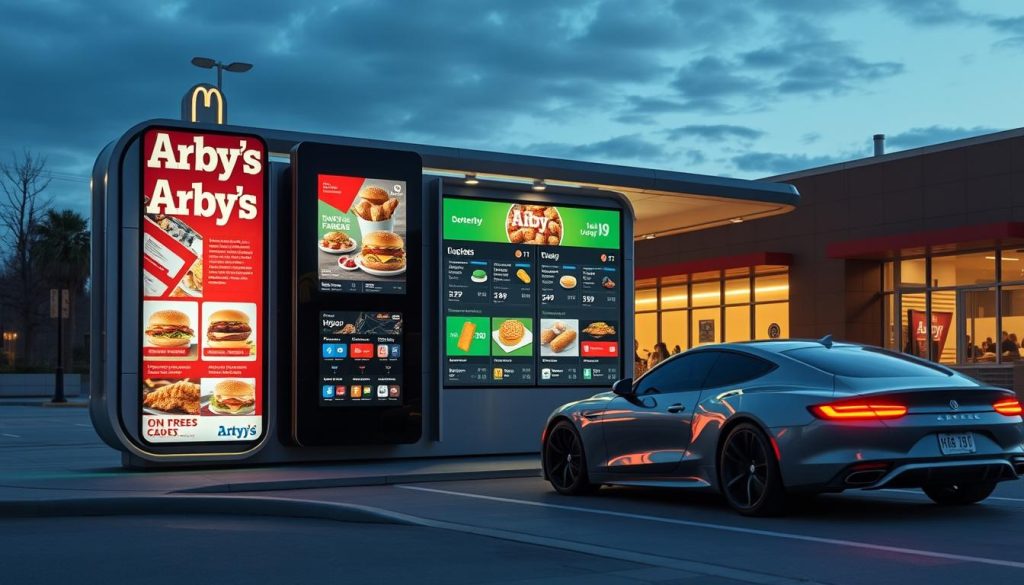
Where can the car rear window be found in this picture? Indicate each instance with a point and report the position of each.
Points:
(862, 362)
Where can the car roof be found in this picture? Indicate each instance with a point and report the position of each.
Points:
(783, 345)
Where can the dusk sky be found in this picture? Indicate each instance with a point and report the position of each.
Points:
(746, 88)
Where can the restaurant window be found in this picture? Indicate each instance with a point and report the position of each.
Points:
(737, 304)
(955, 307)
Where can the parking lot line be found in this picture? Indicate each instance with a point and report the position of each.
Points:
(737, 529)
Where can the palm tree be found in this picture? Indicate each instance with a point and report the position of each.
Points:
(62, 242)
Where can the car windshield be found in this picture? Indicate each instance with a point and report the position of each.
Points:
(863, 362)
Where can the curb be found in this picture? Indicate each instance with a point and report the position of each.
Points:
(200, 505)
(369, 480)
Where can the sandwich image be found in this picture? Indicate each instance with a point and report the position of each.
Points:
(233, 397)
(228, 328)
(169, 328)
(383, 251)
(511, 331)
(374, 195)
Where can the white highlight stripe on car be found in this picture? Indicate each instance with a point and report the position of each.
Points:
(727, 528)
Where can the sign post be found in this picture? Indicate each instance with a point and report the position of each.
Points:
(59, 310)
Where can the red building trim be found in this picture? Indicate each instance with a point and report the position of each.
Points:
(885, 246)
(720, 263)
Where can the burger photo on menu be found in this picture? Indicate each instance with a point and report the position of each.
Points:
(169, 329)
(383, 254)
(512, 336)
(229, 396)
(228, 331)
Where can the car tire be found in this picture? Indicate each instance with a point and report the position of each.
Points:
(748, 473)
(961, 494)
(565, 461)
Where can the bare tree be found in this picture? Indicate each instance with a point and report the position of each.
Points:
(23, 182)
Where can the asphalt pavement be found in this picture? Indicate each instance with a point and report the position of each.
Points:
(508, 530)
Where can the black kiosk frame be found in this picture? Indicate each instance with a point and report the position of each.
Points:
(324, 313)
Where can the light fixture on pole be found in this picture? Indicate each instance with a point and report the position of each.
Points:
(207, 63)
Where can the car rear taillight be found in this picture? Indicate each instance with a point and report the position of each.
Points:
(1008, 407)
(858, 411)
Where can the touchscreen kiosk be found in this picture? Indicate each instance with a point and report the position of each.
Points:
(357, 268)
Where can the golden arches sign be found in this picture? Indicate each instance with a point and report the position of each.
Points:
(204, 103)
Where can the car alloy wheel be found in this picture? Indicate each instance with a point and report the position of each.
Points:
(749, 472)
(564, 460)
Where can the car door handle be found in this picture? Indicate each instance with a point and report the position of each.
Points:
(676, 408)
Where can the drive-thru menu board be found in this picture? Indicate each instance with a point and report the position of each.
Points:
(202, 287)
(531, 294)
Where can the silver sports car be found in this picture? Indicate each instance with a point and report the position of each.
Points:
(764, 421)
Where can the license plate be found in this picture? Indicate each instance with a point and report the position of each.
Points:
(956, 443)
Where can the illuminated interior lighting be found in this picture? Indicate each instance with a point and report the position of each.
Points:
(741, 291)
(649, 236)
(736, 220)
(539, 185)
(1005, 258)
(471, 179)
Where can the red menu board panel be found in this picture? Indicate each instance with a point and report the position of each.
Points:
(202, 285)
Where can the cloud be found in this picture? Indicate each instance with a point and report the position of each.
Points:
(1012, 26)
(933, 135)
(631, 147)
(930, 12)
(777, 163)
(713, 132)
(811, 63)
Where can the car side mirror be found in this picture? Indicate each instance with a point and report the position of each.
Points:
(623, 387)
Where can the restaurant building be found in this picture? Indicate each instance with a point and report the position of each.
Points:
(920, 251)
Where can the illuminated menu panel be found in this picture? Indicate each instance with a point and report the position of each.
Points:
(531, 294)
(361, 234)
(361, 357)
(202, 287)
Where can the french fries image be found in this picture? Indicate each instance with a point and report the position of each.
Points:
(376, 211)
(466, 335)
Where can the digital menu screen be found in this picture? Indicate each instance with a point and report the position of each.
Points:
(361, 358)
(531, 294)
(202, 287)
(361, 234)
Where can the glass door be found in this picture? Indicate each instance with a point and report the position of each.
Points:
(979, 338)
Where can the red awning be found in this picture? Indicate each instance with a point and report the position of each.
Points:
(964, 237)
(720, 263)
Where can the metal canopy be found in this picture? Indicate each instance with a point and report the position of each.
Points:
(665, 202)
